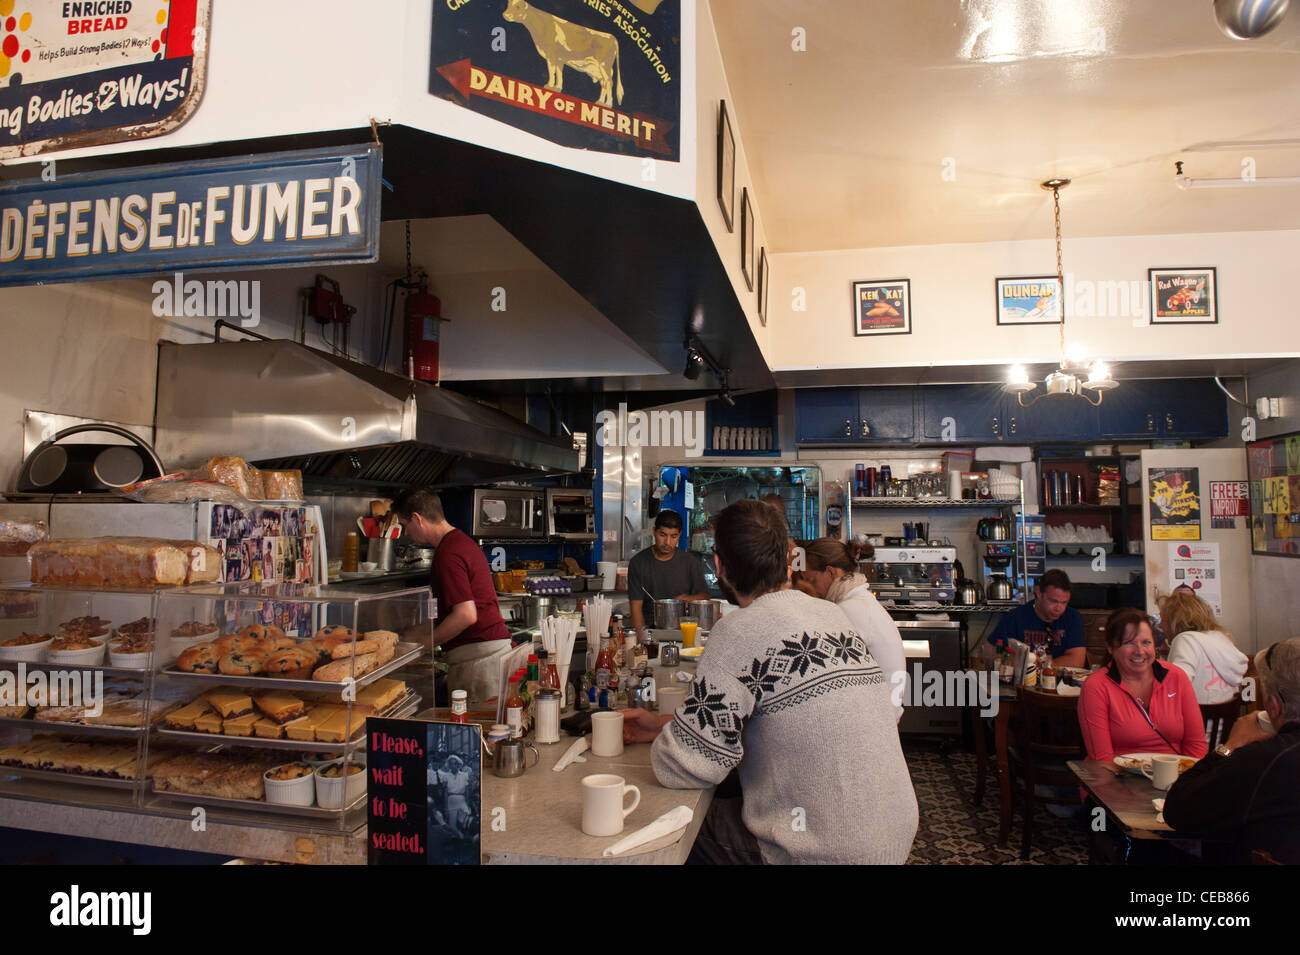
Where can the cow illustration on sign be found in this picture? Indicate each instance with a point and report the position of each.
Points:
(561, 43)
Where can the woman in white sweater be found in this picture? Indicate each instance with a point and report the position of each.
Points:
(831, 573)
(1202, 648)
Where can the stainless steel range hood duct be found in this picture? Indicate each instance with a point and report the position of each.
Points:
(279, 404)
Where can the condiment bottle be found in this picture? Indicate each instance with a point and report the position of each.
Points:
(606, 672)
(351, 552)
(459, 706)
(548, 673)
(548, 716)
(515, 706)
(1048, 678)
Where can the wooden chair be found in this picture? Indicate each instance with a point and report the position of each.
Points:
(1218, 719)
(1048, 735)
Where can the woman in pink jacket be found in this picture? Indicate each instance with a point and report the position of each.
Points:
(1137, 704)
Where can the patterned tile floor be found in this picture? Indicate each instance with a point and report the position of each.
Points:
(954, 832)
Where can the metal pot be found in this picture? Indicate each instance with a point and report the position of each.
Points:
(968, 593)
(536, 609)
(704, 612)
(510, 758)
(1000, 588)
(668, 614)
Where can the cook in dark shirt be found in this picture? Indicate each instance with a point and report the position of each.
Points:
(1047, 619)
(662, 572)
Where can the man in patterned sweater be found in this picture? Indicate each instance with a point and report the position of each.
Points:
(787, 693)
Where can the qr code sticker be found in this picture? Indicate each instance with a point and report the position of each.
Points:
(1209, 575)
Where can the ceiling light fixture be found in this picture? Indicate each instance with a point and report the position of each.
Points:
(1249, 19)
(699, 359)
(1063, 382)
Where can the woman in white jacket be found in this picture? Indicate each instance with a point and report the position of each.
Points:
(831, 573)
(1202, 648)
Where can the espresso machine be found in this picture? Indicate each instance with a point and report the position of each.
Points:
(912, 574)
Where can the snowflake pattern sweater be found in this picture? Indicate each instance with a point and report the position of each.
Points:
(787, 691)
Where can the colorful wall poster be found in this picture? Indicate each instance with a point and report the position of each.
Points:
(600, 75)
(1032, 300)
(1183, 296)
(1229, 500)
(1197, 566)
(85, 74)
(1273, 473)
(882, 308)
(1175, 503)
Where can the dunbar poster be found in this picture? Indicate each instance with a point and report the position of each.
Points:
(592, 74)
(86, 72)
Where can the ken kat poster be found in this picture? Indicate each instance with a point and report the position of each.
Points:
(590, 74)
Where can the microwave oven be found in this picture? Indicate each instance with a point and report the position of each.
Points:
(509, 513)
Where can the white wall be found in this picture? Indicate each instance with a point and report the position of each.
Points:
(711, 88)
(953, 320)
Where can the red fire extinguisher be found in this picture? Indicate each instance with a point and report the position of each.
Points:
(423, 314)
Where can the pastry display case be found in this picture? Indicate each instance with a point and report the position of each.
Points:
(247, 700)
(76, 692)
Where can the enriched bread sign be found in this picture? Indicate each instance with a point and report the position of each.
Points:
(87, 72)
(319, 206)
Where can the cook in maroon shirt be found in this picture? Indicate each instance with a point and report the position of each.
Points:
(469, 622)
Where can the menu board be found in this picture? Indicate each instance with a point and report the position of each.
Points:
(1273, 471)
(423, 792)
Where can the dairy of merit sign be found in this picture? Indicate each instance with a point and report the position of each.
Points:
(87, 72)
(319, 206)
(591, 74)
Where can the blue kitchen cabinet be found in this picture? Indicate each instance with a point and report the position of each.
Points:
(960, 414)
(1053, 419)
(826, 416)
(855, 416)
(887, 415)
(1164, 409)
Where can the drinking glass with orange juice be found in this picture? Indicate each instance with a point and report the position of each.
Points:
(688, 628)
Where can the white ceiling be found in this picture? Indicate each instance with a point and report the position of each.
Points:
(848, 141)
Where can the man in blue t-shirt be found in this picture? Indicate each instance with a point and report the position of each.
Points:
(1048, 619)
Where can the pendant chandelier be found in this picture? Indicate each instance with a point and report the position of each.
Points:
(1065, 381)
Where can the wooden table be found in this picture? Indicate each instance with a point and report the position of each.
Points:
(1126, 797)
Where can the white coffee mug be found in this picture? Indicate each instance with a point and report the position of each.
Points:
(602, 804)
(671, 697)
(1162, 772)
(607, 734)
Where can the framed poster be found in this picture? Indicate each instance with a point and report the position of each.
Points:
(747, 238)
(1183, 296)
(1273, 473)
(882, 308)
(726, 167)
(1028, 300)
(424, 784)
(764, 280)
(1174, 503)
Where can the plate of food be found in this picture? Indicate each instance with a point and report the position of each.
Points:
(691, 653)
(1140, 763)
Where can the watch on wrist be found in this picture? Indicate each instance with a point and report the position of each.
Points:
(1223, 750)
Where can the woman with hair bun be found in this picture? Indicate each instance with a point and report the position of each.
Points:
(831, 573)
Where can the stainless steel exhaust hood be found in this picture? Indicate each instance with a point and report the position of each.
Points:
(283, 405)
